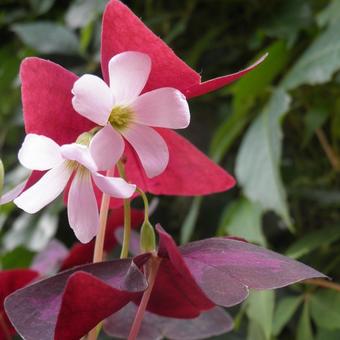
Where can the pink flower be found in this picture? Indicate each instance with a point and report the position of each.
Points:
(48, 111)
(42, 153)
(130, 113)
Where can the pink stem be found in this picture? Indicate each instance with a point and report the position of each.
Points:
(153, 266)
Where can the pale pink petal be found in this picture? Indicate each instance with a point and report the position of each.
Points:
(82, 208)
(92, 98)
(106, 147)
(48, 188)
(129, 72)
(39, 153)
(165, 107)
(150, 148)
(79, 153)
(13, 193)
(114, 186)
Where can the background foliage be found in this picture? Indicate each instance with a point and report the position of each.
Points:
(277, 130)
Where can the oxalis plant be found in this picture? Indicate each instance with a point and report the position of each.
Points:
(104, 142)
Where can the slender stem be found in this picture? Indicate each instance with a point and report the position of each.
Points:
(127, 229)
(323, 283)
(4, 327)
(330, 153)
(104, 210)
(145, 202)
(152, 267)
(127, 217)
(100, 238)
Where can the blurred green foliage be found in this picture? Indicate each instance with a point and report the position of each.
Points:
(277, 130)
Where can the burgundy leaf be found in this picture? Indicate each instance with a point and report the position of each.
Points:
(123, 31)
(154, 327)
(10, 281)
(43, 310)
(226, 268)
(175, 293)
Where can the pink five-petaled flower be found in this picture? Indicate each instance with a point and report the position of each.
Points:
(191, 279)
(42, 153)
(131, 114)
(48, 111)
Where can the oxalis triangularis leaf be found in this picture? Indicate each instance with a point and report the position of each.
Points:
(191, 279)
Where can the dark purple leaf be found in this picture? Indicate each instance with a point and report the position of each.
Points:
(154, 327)
(68, 305)
(226, 268)
(175, 293)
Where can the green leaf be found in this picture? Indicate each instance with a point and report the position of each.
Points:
(312, 241)
(290, 17)
(2, 175)
(242, 218)
(32, 231)
(255, 332)
(304, 330)
(245, 91)
(260, 310)
(325, 309)
(258, 159)
(19, 257)
(190, 220)
(82, 12)
(313, 120)
(284, 311)
(329, 15)
(48, 37)
(41, 6)
(318, 63)
(328, 335)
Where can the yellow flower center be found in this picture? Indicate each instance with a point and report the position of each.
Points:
(121, 117)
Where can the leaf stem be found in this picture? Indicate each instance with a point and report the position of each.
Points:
(152, 269)
(323, 283)
(330, 153)
(146, 204)
(100, 239)
(127, 217)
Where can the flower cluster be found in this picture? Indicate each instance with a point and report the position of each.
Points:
(102, 142)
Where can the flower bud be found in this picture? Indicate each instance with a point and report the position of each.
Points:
(147, 237)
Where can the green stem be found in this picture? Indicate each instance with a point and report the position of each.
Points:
(127, 217)
(146, 204)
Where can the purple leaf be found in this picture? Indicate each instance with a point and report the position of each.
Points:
(84, 296)
(226, 268)
(213, 322)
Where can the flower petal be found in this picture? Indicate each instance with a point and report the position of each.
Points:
(39, 153)
(46, 99)
(92, 98)
(124, 31)
(129, 72)
(150, 147)
(82, 209)
(114, 186)
(106, 147)
(45, 190)
(165, 107)
(13, 193)
(79, 153)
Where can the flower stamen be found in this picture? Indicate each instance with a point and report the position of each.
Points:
(121, 117)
